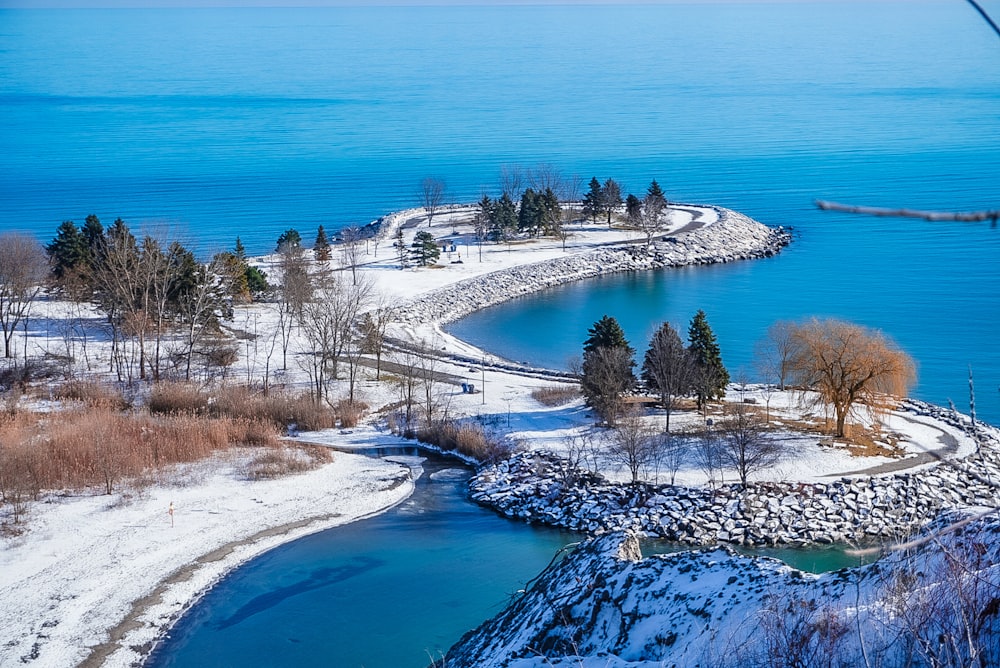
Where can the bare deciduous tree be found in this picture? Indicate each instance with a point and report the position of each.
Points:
(350, 249)
(511, 180)
(745, 443)
(295, 290)
(847, 364)
(428, 372)
(328, 322)
(668, 368)
(432, 194)
(23, 267)
(634, 445)
(773, 353)
(707, 453)
(607, 376)
(406, 365)
(650, 217)
(373, 327)
(202, 306)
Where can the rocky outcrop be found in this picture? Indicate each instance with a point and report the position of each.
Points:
(542, 487)
(732, 237)
(605, 605)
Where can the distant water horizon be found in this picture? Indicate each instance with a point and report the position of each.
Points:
(208, 124)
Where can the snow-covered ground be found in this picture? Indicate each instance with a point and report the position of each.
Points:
(606, 606)
(90, 568)
(107, 574)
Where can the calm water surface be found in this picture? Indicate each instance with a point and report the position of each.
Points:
(215, 122)
(391, 591)
(212, 123)
(387, 592)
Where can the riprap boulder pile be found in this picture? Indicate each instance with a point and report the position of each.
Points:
(732, 236)
(542, 487)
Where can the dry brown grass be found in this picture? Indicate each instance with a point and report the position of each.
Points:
(91, 393)
(858, 440)
(279, 462)
(279, 408)
(104, 448)
(468, 438)
(177, 398)
(555, 395)
(349, 412)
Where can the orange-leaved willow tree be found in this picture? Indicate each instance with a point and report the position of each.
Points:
(848, 365)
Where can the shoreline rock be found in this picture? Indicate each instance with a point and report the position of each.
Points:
(732, 237)
(605, 604)
(540, 487)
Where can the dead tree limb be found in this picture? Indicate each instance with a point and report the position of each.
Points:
(972, 216)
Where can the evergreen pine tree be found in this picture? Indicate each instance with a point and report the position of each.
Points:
(593, 200)
(68, 251)
(321, 248)
(529, 218)
(425, 248)
(239, 251)
(93, 231)
(606, 333)
(711, 376)
(633, 208)
(551, 212)
(289, 238)
(655, 190)
(505, 218)
(608, 361)
(611, 198)
(256, 281)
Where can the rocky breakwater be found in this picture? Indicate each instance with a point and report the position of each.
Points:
(542, 487)
(606, 605)
(733, 236)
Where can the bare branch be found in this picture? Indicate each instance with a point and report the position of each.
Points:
(971, 217)
(986, 17)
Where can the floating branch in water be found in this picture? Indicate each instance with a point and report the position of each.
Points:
(972, 216)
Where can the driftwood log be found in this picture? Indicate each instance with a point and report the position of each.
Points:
(972, 216)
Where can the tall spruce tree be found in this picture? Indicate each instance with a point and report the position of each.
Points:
(504, 218)
(608, 360)
(321, 247)
(593, 200)
(655, 190)
(94, 233)
(633, 208)
(68, 252)
(710, 374)
(288, 238)
(606, 333)
(425, 249)
(530, 216)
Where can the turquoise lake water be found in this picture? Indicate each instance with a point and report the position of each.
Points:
(212, 123)
(392, 591)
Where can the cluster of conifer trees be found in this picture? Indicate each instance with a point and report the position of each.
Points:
(669, 368)
(148, 287)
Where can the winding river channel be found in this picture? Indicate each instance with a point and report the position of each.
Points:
(392, 591)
